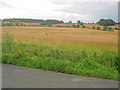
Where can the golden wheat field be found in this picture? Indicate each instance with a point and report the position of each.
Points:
(24, 23)
(64, 37)
(64, 24)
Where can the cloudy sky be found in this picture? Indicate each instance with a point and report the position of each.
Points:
(65, 10)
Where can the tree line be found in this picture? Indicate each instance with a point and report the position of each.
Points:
(17, 22)
(42, 22)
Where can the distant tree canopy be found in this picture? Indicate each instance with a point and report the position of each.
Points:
(98, 28)
(83, 26)
(50, 22)
(79, 22)
(93, 27)
(70, 22)
(42, 22)
(106, 22)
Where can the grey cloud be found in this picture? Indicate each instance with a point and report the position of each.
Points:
(4, 5)
(58, 2)
(96, 9)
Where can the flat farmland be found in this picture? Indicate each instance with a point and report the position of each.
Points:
(79, 51)
(64, 24)
(97, 25)
(65, 37)
(30, 23)
(86, 25)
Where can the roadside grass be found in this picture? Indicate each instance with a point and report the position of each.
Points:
(91, 63)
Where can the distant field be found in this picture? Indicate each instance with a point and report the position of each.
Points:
(30, 23)
(64, 24)
(91, 26)
(86, 25)
(65, 37)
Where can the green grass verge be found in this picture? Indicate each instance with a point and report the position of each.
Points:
(100, 64)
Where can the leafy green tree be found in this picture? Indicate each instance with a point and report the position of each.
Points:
(98, 28)
(106, 22)
(93, 27)
(78, 26)
(78, 21)
(70, 22)
(110, 28)
(83, 26)
(81, 23)
(116, 28)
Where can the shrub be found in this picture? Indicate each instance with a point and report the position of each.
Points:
(83, 26)
(98, 28)
(21, 24)
(116, 28)
(78, 26)
(81, 23)
(93, 27)
(110, 28)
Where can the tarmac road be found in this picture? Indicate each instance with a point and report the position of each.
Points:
(21, 77)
